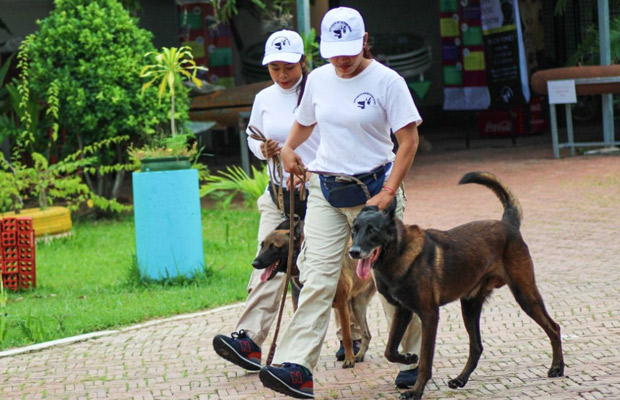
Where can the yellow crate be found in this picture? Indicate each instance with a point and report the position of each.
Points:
(51, 221)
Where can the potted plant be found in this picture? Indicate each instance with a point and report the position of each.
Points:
(165, 194)
(172, 152)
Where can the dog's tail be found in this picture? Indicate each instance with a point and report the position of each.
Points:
(512, 208)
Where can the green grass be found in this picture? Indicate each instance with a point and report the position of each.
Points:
(87, 283)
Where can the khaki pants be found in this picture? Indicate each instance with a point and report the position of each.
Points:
(261, 306)
(326, 232)
(263, 301)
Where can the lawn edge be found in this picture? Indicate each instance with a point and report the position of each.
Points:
(95, 335)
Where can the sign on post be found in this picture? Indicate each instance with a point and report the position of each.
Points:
(562, 91)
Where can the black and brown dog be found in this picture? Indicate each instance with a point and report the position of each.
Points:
(420, 270)
(352, 291)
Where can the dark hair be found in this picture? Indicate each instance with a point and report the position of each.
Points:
(366, 51)
(304, 77)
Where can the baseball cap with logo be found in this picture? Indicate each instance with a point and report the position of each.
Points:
(285, 46)
(342, 33)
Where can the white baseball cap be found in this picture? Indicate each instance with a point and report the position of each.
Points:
(286, 46)
(342, 33)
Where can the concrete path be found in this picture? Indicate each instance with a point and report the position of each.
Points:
(572, 226)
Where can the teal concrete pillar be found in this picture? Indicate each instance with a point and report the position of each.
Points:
(168, 224)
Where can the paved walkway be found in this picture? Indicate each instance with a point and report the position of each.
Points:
(572, 225)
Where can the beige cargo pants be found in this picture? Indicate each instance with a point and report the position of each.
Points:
(263, 301)
(326, 232)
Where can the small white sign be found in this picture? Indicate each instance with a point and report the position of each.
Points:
(562, 92)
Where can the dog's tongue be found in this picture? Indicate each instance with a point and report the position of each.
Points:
(264, 277)
(364, 265)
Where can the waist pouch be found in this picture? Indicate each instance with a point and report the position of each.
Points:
(299, 205)
(341, 191)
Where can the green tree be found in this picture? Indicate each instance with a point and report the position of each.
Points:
(93, 50)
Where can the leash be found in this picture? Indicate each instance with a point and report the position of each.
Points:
(275, 167)
(289, 265)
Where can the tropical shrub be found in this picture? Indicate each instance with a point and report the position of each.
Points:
(227, 184)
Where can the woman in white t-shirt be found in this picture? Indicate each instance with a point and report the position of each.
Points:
(356, 102)
(273, 114)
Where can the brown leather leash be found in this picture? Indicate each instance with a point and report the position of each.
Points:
(275, 167)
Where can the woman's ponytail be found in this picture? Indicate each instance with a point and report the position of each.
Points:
(304, 77)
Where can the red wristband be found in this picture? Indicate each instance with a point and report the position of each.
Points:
(389, 189)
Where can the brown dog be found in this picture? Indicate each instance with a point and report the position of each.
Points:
(420, 270)
(352, 291)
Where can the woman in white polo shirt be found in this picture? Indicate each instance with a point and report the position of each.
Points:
(273, 114)
(356, 102)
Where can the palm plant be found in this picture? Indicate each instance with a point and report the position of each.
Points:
(170, 64)
(235, 180)
(588, 51)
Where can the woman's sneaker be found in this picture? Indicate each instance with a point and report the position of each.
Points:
(406, 379)
(239, 349)
(290, 379)
(356, 347)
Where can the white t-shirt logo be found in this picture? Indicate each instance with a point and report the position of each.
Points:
(364, 100)
(340, 29)
(280, 42)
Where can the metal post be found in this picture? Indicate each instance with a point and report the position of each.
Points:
(303, 17)
(242, 124)
(569, 129)
(605, 58)
(554, 131)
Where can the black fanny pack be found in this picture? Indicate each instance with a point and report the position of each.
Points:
(342, 191)
(299, 206)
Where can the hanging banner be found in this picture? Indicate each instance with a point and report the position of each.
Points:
(504, 52)
(211, 43)
(463, 59)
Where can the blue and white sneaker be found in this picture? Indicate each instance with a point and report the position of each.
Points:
(290, 379)
(406, 379)
(239, 349)
(356, 347)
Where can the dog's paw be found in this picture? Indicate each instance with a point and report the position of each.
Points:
(456, 383)
(348, 363)
(556, 371)
(359, 357)
(410, 395)
(410, 358)
(402, 358)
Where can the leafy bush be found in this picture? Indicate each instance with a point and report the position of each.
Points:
(29, 174)
(94, 50)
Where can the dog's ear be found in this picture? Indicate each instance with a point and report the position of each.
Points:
(286, 224)
(390, 210)
(298, 229)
